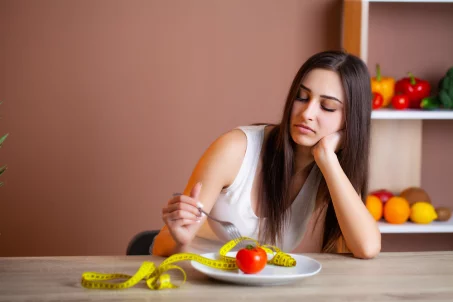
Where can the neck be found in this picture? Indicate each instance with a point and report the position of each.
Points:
(303, 160)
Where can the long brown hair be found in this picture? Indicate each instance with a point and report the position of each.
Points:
(278, 152)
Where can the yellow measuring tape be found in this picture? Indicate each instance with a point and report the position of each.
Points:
(157, 277)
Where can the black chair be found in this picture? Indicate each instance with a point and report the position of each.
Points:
(141, 243)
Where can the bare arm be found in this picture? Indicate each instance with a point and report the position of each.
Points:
(360, 231)
(216, 169)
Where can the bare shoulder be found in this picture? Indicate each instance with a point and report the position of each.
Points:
(230, 145)
(227, 153)
(219, 164)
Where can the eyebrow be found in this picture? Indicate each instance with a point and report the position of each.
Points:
(324, 96)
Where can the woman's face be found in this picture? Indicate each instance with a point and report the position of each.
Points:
(318, 109)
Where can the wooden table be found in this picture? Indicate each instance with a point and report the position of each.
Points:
(426, 276)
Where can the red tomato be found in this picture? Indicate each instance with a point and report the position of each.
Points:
(251, 259)
(400, 101)
(378, 100)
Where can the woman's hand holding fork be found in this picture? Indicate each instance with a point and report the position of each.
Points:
(182, 217)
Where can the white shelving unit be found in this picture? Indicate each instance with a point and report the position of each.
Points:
(411, 114)
(396, 135)
(410, 228)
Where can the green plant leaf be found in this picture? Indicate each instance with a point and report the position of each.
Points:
(3, 138)
(3, 169)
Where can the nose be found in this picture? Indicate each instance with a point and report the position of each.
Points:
(310, 110)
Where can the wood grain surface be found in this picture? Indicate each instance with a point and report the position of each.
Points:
(424, 276)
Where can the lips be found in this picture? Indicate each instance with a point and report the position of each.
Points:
(304, 127)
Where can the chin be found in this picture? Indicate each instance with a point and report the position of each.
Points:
(303, 140)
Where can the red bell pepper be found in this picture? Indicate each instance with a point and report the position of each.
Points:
(416, 89)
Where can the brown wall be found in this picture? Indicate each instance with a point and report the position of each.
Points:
(110, 103)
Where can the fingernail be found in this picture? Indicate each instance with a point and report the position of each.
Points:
(198, 221)
(199, 204)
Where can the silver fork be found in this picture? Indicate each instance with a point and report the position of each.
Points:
(230, 228)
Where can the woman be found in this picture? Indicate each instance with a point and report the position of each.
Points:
(300, 184)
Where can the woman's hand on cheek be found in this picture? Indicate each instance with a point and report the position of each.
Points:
(328, 145)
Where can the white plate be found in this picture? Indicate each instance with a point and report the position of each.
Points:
(270, 275)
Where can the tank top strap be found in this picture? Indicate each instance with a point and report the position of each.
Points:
(255, 136)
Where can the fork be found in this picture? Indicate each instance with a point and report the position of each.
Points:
(230, 228)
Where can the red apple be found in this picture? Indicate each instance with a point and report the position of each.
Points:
(382, 194)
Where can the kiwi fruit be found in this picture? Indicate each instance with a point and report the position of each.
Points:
(443, 214)
(414, 194)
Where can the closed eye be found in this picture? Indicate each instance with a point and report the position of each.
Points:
(327, 109)
(301, 99)
(323, 107)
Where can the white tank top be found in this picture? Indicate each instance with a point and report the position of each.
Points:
(233, 205)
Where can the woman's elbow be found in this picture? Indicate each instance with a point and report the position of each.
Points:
(157, 251)
(165, 246)
(370, 247)
(161, 246)
(369, 251)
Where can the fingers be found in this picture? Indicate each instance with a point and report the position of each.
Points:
(181, 207)
(179, 214)
(172, 224)
(181, 222)
(183, 210)
(185, 199)
(341, 140)
(334, 140)
(180, 218)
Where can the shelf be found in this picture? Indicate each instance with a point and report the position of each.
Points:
(411, 114)
(412, 1)
(409, 227)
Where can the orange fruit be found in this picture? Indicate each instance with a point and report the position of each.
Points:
(397, 210)
(374, 206)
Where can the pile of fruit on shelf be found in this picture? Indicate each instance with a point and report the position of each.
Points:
(412, 204)
(411, 92)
